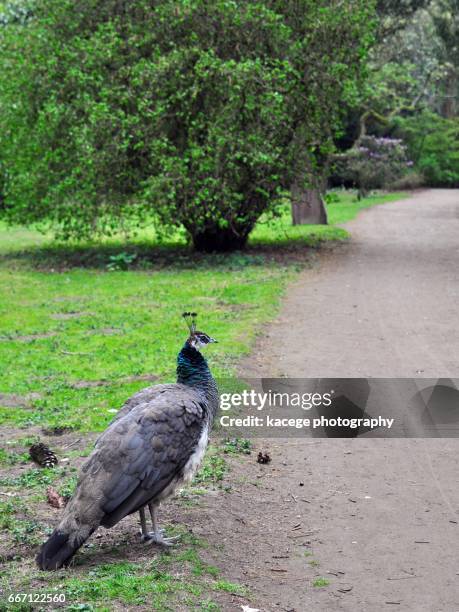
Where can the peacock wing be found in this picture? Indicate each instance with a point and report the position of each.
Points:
(147, 395)
(142, 453)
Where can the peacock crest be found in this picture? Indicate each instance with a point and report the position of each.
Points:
(196, 339)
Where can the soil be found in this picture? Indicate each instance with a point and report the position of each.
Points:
(379, 515)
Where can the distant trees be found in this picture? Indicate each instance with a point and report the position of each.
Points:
(445, 16)
(198, 113)
(394, 15)
(412, 90)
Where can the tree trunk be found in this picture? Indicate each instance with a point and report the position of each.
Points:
(449, 105)
(308, 207)
(217, 240)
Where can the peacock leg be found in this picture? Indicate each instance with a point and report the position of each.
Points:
(157, 535)
(143, 524)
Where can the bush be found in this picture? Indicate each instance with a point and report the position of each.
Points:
(411, 180)
(433, 144)
(375, 163)
(191, 112)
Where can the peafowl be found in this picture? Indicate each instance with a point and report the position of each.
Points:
(155, 443)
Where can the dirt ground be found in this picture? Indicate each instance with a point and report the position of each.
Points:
(379, 516)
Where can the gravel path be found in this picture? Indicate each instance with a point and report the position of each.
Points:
(379, 516)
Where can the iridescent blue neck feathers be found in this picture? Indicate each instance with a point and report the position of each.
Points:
(192, 368)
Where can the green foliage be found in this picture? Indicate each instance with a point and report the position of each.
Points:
(121, 261)
(236, 446)
(433, 144)
(212, 470)
(12, 458)
(193, 113)
(412, 78)
(321, 582)
(34, 478)
(399, 8)
(67, 488)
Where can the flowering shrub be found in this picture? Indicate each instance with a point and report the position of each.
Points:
(376, 163)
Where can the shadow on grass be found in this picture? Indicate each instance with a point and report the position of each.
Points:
(152, 256)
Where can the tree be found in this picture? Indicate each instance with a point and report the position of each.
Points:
(433, 144)
(445, 15)
(194, 112)
(395, 15)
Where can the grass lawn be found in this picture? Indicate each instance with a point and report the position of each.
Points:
(75, 344)
(78, 336)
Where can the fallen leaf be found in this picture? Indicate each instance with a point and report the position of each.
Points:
(54, 499)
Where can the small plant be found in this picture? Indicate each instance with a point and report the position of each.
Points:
(30, 479)
(320, 582)
(25, 532)
(67, 488)
(121, 261)
(314, 563)
(237, 446)
(331, 197)
(12, 458)
(212, 471)
(7, 512)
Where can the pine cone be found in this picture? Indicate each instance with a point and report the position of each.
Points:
(42, 455)
(263, 458)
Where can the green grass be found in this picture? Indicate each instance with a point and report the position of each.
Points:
(343, 207)
(176, 576)
(62, 333)
(156, 584)
(125, 582)
(229, 587)
(79, 337)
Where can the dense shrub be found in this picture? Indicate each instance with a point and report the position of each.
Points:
(411, 180)
(191, 112)
(433, 144)
(375, 163)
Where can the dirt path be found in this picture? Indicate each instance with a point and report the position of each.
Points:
(378, 518)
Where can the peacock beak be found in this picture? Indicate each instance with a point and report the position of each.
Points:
(213, 340)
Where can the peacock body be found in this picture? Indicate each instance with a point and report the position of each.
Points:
(155, 443)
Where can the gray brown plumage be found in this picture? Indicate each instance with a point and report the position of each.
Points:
(155, 443)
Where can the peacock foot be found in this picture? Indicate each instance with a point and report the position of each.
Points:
(157, 537)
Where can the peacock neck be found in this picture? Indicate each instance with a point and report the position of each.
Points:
(192, 368)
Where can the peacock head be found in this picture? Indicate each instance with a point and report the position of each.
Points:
(196, 339)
